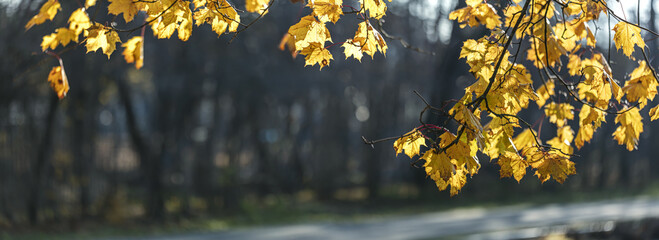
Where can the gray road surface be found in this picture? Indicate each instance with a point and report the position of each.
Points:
(474, 223)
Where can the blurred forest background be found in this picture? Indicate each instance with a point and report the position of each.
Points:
(208, 128)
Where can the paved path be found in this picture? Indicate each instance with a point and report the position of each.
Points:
(469, 223)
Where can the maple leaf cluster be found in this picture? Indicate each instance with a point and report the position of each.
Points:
(166, 17)
(309, 35)
(575, 77)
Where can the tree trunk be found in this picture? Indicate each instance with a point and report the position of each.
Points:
(42, 158)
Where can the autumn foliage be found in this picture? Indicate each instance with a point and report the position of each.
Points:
(575, 89)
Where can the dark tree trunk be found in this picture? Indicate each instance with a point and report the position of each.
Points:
(41, 161)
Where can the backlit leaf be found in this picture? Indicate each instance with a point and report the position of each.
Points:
(309, 30)
(327, 10)
(58, 81)
(512, 165)
(654, 113)
(559, 113)
(410, 143)
(352, 49)
(315, 53)
(102, 38)
(125, 7)
(631, 126)
(376, 8)
(47, 12)
(134, 51)
(626, 36)
(61, 36)
(79, 21)
(256, 5)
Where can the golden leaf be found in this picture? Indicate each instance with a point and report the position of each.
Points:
(222, 17)
(525, 139)
(327, 10)
(89, 3)
(47, 12)
(309, 30)
(410, 143)
(376, 8)
(631, 126)
(353, 49)
(61, 36)
(512, 165)
(134, 51)
(641, 86)
(102, 38)
(589, 120)
(58, 81)
(125, 7)
(315, 53)
(369, 39)
(256, 6)
(475, 15)
(559, 113)
(545, 92)
(552, 165)
(654, 114)
(79, 21)
(626, 36)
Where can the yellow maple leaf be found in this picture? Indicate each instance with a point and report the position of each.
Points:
(89, 3)
(79, 21)
(552, 165)
(563, 140)
(134, 51)
(525, 139)
(125, 7)
(559, 113)
(512, 165)
(309, 30)
(498, 137)
(61, 36)
(626, 36)
(256, 5)
(444, 171)
(352, 49)
(462, 153)
(546, 49)
(631, 126)
(410, 143)
(545, 92)
(437, 165)
(574, 64)
(569, 33)
(178, 17)
(327, 10)
(99, 37)
(184, 20)
(376, 8)
(589, 120)
(47, 12)
(58, 81)
(475, 15)
(222, 17)
(315, 53)
(641, 86)
(370, 40)
(654, 114)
